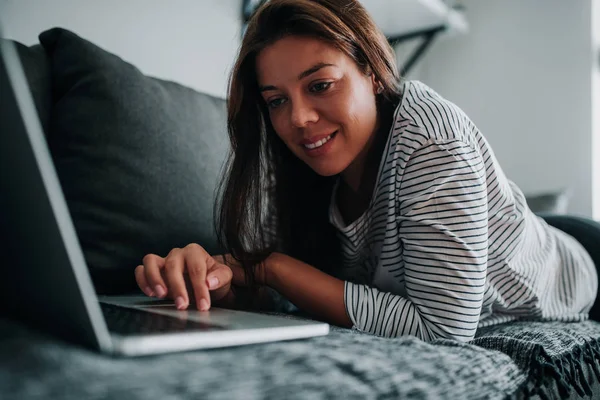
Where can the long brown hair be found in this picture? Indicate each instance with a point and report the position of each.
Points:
(269, 200)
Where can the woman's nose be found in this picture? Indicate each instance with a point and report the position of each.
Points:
(303, 113)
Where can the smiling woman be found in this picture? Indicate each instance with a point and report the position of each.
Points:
(326, 114)
(367, 200)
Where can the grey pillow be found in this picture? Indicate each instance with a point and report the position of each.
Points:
(549, 203)
(138, 158)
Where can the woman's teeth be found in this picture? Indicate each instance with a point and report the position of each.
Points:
(319, 143)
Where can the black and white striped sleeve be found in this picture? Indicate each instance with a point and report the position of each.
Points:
(441, 208)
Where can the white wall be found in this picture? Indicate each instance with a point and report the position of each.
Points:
(596, 105)
(523, 75)
(193, 42)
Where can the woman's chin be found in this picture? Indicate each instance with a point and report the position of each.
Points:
(326, 170)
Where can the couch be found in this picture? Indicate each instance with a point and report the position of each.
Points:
(138, 159)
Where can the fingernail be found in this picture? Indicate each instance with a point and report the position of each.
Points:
(213, 282)
(203, 305)
(180, 303)
(160, 291)
(148, 291)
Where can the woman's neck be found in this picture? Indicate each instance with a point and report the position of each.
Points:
(359, 178)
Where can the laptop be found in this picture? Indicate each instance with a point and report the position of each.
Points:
(48, 284)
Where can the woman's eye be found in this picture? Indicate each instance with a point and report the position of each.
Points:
(275, 103)
(320, 87)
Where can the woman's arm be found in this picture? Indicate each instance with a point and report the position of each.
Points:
(444, 233)
(309, 289)
(238, 296)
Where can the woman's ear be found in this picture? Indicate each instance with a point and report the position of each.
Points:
(377, 86)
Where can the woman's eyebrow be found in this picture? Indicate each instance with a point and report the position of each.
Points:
(302, 75)
(314, 69)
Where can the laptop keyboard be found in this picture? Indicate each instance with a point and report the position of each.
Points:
(128, 321)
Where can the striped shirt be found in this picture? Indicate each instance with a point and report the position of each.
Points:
(448, 243)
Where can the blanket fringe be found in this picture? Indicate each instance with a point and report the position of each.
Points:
(566, 372)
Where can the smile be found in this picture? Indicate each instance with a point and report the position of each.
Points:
(319, 143)
(320, 147)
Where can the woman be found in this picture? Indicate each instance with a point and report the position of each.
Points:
(367, 201)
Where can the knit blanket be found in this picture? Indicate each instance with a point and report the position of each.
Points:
(556, 358)
(502, 362)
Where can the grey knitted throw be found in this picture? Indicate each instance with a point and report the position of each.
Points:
(502, 362)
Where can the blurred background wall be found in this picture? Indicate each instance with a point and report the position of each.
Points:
(523, 74)
(193, 42)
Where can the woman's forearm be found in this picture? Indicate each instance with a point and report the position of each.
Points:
(308, 288)
(238, 297)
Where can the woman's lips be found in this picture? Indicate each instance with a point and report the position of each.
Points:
(321, 150)
(316, 138)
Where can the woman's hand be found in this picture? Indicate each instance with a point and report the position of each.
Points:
(207, 277)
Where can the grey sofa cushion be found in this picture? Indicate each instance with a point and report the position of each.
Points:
(138, 158)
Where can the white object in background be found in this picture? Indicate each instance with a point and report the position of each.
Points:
(403, 17)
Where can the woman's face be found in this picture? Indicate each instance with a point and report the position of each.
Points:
(320, 103)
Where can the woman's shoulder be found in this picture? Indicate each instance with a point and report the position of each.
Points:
(424, 115)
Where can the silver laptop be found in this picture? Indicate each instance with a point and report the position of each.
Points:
(50, 287)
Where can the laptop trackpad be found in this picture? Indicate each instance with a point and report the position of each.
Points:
(231, 319)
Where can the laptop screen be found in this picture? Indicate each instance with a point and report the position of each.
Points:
(47, 283)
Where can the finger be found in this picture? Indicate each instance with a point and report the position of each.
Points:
(140, 278)
(197, 262)
(218, 280)
(174, 269)
(218, 275)
(152, 266)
